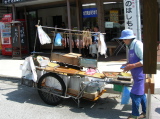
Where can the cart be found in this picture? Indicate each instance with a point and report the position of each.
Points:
(60, 81)
(63, 78)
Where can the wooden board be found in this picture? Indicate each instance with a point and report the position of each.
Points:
(150, 35)
(89, 96)
(149, 84)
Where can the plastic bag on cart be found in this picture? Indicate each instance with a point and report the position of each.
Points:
(93, 84)
(43, 37)
(125, 95)
(29, 70)
(43, 61)
(26, 69)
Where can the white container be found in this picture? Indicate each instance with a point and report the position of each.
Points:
(66, 79)
(75, 82)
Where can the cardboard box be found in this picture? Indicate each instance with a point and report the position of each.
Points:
(70, 58)
(56, 57)
(149, 84)
(90, 96)
(27, 82)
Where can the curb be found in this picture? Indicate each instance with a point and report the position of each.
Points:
(7, 77)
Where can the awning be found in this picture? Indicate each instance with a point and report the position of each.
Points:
(19, 3)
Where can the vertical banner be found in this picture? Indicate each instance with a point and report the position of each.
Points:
(131, 14)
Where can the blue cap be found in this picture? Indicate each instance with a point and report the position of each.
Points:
(127, 34)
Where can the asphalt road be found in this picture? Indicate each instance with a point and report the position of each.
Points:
(21, 102)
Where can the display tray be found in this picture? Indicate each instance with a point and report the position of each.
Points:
(119, 75)
(120, 82)
(112, 74)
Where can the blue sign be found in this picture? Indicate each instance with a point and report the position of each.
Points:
(13, 1)
(90, 12)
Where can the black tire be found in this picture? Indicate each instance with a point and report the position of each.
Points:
(45, 91)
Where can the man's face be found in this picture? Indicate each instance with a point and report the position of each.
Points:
(127, 41)
(95, 29)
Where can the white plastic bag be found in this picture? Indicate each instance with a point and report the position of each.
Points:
(43, 37)
(29, 70)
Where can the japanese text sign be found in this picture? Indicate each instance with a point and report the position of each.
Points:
(91, 12)
(130, 12)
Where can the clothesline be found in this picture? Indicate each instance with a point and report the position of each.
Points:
(67, 29)
(74, 33)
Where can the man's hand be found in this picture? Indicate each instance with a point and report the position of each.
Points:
(129, 67)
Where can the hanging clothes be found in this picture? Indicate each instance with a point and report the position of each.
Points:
(43, 37)
(87, 39)
(93, 49)
(58, 40)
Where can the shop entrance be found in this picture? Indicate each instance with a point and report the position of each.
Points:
(57, 20)
(32, 20)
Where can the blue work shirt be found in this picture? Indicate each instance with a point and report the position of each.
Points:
(138, 49)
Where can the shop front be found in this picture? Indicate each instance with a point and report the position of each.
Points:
(106, 14)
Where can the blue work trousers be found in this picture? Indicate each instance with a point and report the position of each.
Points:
(136, 101)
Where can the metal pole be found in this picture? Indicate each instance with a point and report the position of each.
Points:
(78, 22)
(148, 113)
(13, 12)
(78, 18)
(26, 26)
(69, 24)
(139, 37)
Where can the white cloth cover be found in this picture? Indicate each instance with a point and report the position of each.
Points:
(102, 48)
(43, 37)
(29, 70)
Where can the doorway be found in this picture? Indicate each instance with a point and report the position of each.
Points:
(57, 21)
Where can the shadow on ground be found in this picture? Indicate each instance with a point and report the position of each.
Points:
(104, 108)
(157, 110)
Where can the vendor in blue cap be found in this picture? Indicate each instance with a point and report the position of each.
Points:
(135, 65)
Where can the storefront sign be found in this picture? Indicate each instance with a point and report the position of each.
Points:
(114, 16)
(108, 24)
(6, 40)
(22, 36)
(130, 12)
(91, 12)
(7, 18)
(12, 1)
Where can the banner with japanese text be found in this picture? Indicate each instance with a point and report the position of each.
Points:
(89, 12)
(130, 15)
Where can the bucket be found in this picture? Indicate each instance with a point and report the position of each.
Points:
(118, 88)
(125, 95)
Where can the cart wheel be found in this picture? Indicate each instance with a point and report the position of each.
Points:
(50, 85)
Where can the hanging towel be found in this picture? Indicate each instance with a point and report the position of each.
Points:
(58, 40)
(102, 48)
(43, 37)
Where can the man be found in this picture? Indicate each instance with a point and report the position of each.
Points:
(95, 37)
(135, 65)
